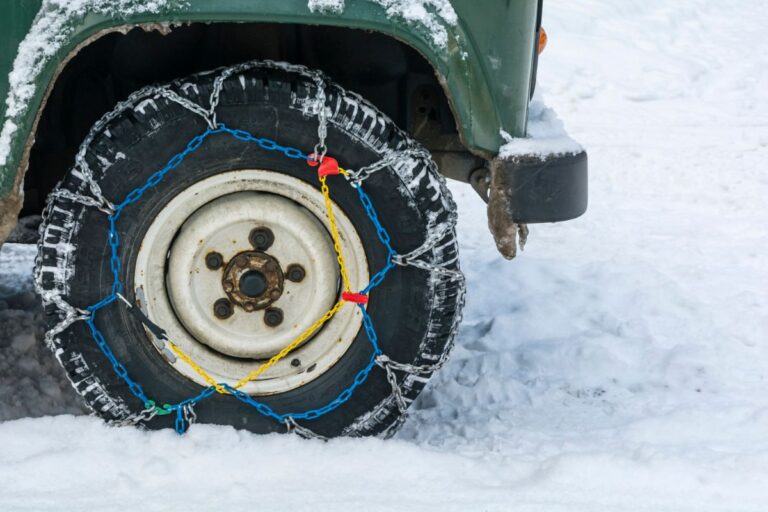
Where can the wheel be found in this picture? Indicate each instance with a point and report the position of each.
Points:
(224, 255)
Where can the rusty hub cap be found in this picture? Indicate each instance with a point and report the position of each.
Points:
(253, 280)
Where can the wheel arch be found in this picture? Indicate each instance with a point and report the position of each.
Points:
(44, 161)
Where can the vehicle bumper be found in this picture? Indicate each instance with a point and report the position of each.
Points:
(534, 189)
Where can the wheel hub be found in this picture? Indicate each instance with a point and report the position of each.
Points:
(253, 280)
(266, 311)
(253, 284)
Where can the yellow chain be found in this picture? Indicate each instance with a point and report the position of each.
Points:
(184, 357)
(307, 332)
(335, 234)
(292, 345)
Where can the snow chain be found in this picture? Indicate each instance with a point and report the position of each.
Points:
(326, 166)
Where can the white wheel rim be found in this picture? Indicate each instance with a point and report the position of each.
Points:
(177, 290)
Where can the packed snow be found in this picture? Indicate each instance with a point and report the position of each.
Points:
(620, 363)
(325, 6)
(433, 15)
(545, 137)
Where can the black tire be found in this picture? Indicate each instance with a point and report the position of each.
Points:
(415, 311)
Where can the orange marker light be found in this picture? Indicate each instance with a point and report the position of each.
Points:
(542, 39)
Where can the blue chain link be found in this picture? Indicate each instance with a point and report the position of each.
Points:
(377, 278)
(180, 423)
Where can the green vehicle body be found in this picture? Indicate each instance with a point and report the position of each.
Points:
(485, 68)
(459, 80)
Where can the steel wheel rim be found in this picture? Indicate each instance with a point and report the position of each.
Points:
(160, 269)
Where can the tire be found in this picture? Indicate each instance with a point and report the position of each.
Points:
(415, 311)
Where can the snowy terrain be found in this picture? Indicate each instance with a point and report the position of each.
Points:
(620, 363)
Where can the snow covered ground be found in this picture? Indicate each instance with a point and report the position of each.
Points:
(619, 364)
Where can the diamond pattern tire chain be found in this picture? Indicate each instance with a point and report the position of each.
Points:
(92, 196)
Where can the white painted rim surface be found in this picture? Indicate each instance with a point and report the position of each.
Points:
(177, 291)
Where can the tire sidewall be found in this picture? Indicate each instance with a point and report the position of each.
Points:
(142, 143)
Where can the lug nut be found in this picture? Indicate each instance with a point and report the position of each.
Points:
(295, 273)
(295, 362)
(214, 260)
(222, 308)
(273, 317)
(261, 238)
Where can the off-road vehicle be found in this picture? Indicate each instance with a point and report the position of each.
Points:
(243, 204)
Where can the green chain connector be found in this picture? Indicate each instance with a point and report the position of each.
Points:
(160, 411)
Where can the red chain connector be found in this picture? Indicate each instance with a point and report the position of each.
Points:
(357, 298)
(328, 166)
